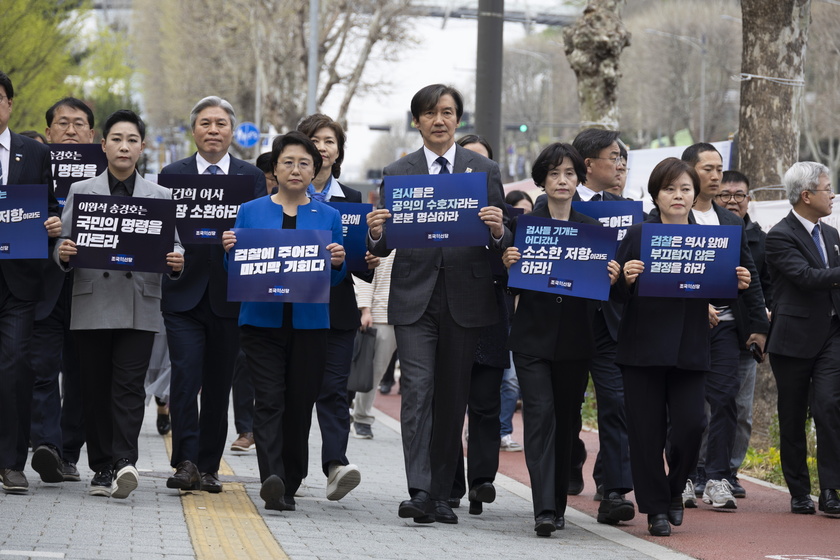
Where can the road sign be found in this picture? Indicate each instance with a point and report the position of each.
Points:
(247, 134)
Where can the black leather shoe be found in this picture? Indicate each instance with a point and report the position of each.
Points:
(484, 492)
(575, 480)
(186, 477)
(420, 505)
(444, 513)
(476, 508)
(164, 424)
(559, 522)
(676, 509)
(544, 524)
(210, 483)
(802, 504)
(454, 502)
(829, 501)
(47, 462)
(615, 508)
(658, 525)
(272, 491)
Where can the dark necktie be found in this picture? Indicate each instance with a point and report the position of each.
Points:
(444, 170)
(815, 234)
(120, 189)
(596, 196)
(213, 170)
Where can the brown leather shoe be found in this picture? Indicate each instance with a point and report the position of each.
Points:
(186, 477)
(245, 442)
(210, 483)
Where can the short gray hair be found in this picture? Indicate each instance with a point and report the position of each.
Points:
(212, 101)
(803, 176)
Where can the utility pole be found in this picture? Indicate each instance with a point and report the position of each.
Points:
(488, 72)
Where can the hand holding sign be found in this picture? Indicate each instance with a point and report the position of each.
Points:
(632, 269)
(744, 277)
(336, 254)
(493, 217)
(375, 221)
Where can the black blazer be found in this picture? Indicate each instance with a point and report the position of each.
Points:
(551, 326)
(29, 164)
(804, 291)
(755, 241)
(204, 263)
(344, 313)
(654, 331)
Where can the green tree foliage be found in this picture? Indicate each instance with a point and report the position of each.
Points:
(36, 39)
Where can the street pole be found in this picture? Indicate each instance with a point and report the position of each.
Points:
(312, 68)
(488, 73)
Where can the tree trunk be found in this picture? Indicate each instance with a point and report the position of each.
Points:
(775, 36)
(593, 46)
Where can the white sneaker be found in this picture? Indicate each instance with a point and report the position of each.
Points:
(125, 482)
(342, 479)
(507, 444)
(688, 497)
(719, 494)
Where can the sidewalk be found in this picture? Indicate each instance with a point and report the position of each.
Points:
(62, 521)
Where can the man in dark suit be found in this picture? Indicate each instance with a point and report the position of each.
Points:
(58, 431)
(723, 380)
(605, 167)
(23, 161)
(440, 298)
(804, 343)
(201, 325)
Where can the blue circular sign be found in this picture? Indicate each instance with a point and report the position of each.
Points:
(246, 134)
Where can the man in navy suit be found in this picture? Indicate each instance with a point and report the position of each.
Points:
(23, 161)
(440, 299)
(723, 380)
(201, 325)
(803, 254)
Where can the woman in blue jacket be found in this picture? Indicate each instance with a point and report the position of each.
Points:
(286, 343)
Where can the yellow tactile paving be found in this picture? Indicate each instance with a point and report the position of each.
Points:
(226, 525)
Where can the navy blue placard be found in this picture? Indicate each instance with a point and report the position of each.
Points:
(23, 211)
(436, 210)
(354, 228)
(619, 214)
(122, 232)
(691, 260)
(560, 257)
(207, 205)
(280, 265)
(75, 162)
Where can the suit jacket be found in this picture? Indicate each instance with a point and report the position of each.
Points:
(551, 326)
(752, 298)
(29, 164)
(655, 331)
(466, 270)
(264, 213)
(203, 263)
(804, 292)
(111, 299)
(344, 313)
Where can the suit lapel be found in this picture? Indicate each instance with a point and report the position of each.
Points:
(16, 159)
(142, 188)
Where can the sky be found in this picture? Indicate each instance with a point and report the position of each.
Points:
(443, 55)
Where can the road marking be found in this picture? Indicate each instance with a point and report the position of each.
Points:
(226, 525)
(31, 554)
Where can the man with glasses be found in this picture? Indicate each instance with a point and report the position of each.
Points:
(734, 196)
(23, 161)
(57, 429)
(713, 478)
(803, 254)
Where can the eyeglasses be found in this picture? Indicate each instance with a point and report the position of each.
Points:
(727, 196)
(820, 190)
(77, 125)
(303, 166)
(618, 161)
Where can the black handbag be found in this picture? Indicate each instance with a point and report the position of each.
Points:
(361, 368)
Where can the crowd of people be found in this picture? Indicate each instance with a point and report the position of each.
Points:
(673, 376)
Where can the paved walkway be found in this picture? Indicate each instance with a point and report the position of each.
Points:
(62, 521)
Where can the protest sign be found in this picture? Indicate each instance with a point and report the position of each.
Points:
(354, 229)
(23, 211)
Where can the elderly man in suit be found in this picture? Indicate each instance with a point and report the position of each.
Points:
(23, 161)
(804, 343)
(115, 316)
(200, 322)
(440, 298)
(58, 430)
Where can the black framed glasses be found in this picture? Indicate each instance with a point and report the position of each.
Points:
(727, 196)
